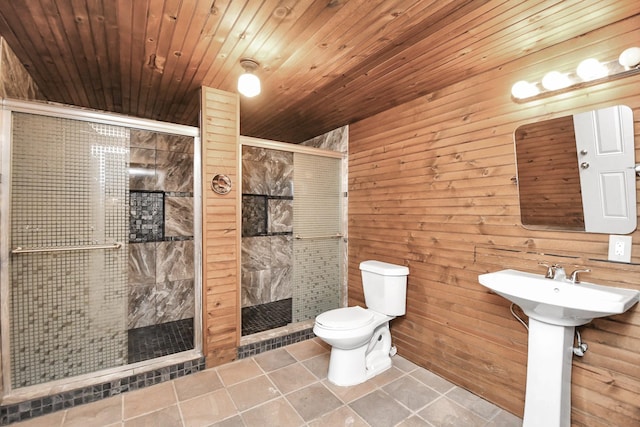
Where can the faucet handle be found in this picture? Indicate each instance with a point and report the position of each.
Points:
(574, 276)
(551, 270)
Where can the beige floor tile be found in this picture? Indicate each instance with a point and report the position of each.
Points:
(235, 421)
(277, 413)
(313, 401)
(49, 420)
(274, 359)
(100, 413)
(341, 417)
(445, 412)
(403, 364)
(306, 349)
(148, 399)
(476, 404)
(434, 381)
(252, 392)
(380, 410)
(387, 376)
(411, 392)
(349, 394)
(505, 419)
(292, 378)
(197, 384)
(166, 417)
(239, 370)
(318, 365)
(414, 421)
(207, 409)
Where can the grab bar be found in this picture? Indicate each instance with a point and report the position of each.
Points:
(20, 250)
(330, 236)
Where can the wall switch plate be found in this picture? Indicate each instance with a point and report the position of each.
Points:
(620, 248)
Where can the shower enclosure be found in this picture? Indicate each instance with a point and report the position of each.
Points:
(293, 247)
(100, 258)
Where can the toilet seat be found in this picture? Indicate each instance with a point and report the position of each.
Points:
(345, 318)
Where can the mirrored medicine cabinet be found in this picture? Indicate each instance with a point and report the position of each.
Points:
(577, 173)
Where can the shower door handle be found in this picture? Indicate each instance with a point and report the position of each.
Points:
(20, 250)
(330, 236)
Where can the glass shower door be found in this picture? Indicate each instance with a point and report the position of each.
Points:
(68, 262)
(318, 244)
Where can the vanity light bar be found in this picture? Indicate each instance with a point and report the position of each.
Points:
(588, 73)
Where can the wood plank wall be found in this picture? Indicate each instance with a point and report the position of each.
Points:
(431, 187)
(220, 216)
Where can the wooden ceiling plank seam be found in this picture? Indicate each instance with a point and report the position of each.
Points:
(191, 40)
(259, 23)
(139, 23)
(311, 52)
(113, 51)
(84, 46)
(204, 49)
(124, 15)
(36, 19)
(306, 26)
(15, 37)
(272, 123)
(442, 15)
(223, 29)
(63, 65)
(98, 32)
(172, 56)
(226, 61)
(230, 55)
(165, 14)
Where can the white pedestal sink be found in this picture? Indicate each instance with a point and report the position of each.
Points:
(555, 308)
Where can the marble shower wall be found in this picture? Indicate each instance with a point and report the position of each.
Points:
(267, 225)
(161, 249)
(15, 81)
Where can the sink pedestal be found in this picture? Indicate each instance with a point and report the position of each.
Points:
(548, 392)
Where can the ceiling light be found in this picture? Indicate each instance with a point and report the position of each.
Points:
(249, 83)
(591, 69)
(555, 80)
(630, 58)
(524, 89)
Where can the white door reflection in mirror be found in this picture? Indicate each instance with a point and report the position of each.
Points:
(607, 169)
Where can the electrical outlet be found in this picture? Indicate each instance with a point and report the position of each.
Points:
(620, 248)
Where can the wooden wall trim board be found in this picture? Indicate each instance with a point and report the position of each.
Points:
(430, 187)
(220, 232)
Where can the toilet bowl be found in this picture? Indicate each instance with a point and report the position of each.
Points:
(359, 337)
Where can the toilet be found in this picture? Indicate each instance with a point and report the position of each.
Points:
(359, 337)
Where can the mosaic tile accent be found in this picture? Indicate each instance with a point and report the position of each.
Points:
(146, 216)
(67, 317)
(160, 340)
(45, 405)
(263, 317)
(253, 349)
(254, 215)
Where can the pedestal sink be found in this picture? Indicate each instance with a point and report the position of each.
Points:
(555, 308)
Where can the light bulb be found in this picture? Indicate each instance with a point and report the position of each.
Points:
(249, 85)
(524, 89)
(555, 80)
(630, 58)
(591, 69)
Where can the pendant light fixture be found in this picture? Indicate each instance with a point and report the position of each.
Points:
(248, 82)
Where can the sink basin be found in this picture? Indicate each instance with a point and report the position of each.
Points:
(559, 302)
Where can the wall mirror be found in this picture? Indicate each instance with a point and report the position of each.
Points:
(577, 173)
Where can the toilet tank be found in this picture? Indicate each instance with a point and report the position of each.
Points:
(385, 287)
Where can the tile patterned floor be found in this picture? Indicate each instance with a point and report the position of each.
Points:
(289, 387)
(160, 340)
(267, 316)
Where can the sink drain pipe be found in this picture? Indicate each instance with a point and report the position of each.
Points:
(581, 348)
(578, 350)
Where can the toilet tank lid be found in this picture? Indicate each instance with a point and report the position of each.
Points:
(384, 268)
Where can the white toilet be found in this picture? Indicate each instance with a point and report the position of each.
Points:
(360, 339)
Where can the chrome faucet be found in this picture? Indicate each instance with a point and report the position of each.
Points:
(574, 276)
(554, 271)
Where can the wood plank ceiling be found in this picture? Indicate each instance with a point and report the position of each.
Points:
(323, 63)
